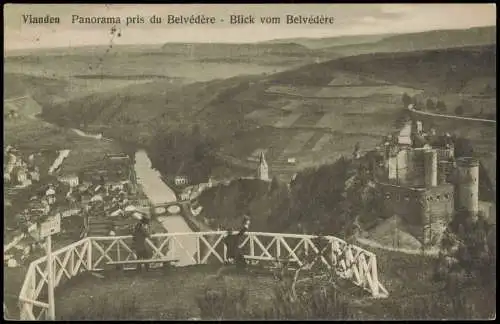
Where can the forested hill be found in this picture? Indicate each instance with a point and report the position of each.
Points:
(325, 200)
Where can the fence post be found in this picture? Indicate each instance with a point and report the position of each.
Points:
(89, 254)
(374, 274)
(118, 254)
(72, 262)
(278, 247)
(251, 239)
(198, 249)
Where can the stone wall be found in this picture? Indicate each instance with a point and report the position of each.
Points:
(425, 211)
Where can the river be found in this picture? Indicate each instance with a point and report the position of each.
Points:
(159, 193)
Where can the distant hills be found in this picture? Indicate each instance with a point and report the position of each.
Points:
(436, 39)
(326, 42)
(325, 47)
(233, 50)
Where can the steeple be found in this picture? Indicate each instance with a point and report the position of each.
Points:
(263, 170)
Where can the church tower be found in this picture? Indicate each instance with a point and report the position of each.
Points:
(263, 170)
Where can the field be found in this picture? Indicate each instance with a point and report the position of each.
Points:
(354, 91)
(318, 129)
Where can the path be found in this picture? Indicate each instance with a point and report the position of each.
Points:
(451, 117)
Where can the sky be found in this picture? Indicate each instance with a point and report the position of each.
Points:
(350, 19)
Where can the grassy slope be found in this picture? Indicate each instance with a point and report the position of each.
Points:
(158, 295)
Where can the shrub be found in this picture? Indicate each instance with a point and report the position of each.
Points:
(217, 303)
(315, 302)
(430, 104)
(441, 106)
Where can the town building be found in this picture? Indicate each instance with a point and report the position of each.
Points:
(181, 181)
(72, 180)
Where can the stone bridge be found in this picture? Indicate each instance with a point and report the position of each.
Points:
(346, 261)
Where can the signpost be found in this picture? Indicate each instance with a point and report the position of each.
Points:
(48, 228)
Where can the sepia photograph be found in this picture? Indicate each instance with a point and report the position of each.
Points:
(249, 162)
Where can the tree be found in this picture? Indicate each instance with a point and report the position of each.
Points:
(459, 111)
(441, 106)
(275, 185)
(406, 100)
(430, 104)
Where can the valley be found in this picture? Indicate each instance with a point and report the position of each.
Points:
(317, 109)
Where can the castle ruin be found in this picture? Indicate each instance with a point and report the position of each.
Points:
(422, 182)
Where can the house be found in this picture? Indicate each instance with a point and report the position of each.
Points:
(181, 181)
(186, 194)
(34, 174)
(20, 175)
(51, 195)
(72, 180)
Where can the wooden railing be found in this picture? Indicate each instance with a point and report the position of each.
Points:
(92, 254)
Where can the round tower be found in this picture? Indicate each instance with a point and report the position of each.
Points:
(430, 168)
(468, 185)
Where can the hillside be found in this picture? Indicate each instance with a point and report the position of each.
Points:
(18, 85)
(141, 110)
(436, 39)
(446, 70)
(311, 115)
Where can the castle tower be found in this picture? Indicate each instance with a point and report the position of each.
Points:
(468, 185)
(430, 168)
(263, 169)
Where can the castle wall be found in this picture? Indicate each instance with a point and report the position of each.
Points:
(438, 212)
(416, 168)
(424, 211)
(402, 201)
